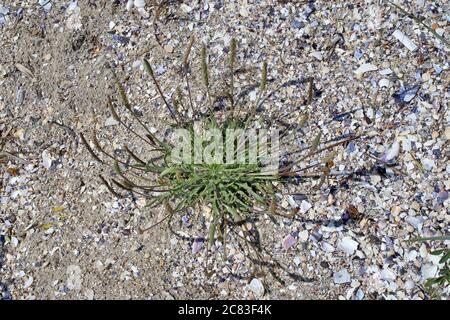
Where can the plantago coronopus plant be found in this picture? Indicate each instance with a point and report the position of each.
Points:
(230, 162)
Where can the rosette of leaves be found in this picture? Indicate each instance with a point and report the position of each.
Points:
(236, 193)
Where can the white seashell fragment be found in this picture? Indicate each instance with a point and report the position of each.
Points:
(305, 206)
(405, 40)
(89, 294)
(359, 294)
(428, 164)
(387, 274)
(74, 279)
(197, 246)
(14, 242)
(386, 71)
(423, 251)
(428, 271)
(384, 83)
(409, 284)
(416, 222)
(185, 8)
(72, 5)
(46, 4)
(137, 64)
(28, 283)
(288, 242)
(130, 4)
(391, 153)
(111, 122)
(139, 3)
(244, 12)
(144, 14)
(434, 259)
(73, 16)
(366, 67)
(327, 247)
(3, 12)
(348, 245)
(46, 159)
(256, 286)
(317, 55)
(342, 276)
(303, 235)
(411, 255)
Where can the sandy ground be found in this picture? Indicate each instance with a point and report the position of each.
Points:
(64, 236)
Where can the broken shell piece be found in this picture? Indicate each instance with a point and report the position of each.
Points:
(317, 55)
(365, 68)
(327, 247)
(46, 4)
(256, 286)
(426, 76)
(305, 206)
(359, 294)
(197, 246)
(74, 279)
(288, 242)
(428, 164)
(348, 245)
(111, 122)
(342, 276)
(384, 83)
(28, 282)
(387, 275)
(139, 3)
(416, 222)
(144, 14)
(185, 8)
(391, 153)
(406, 94)
(244, 12)
(386, 71)
(405, 40)
(303, 235)
(73, 17)
(428, 271)
(130, 4)
(46, 159)
(14, 242)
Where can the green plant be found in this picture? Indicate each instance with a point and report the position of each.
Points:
(443, 279)
(236, 193)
